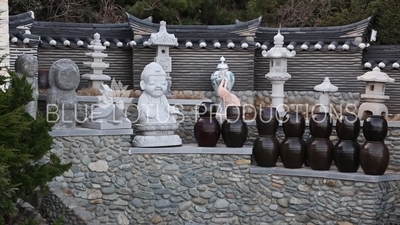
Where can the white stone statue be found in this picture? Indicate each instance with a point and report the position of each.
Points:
(157, 119)
(27, 65)
(63, 80)
(153, 105)
(109, 113)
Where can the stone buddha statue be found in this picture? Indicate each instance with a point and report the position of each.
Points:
(157, 119)
(153, 105)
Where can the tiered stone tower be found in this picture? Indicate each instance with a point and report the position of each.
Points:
(96, 76)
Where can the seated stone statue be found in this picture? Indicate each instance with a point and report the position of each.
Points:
(157, 119)
(153, 105)
(109, 113)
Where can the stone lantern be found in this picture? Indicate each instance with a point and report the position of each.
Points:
(325, 88)
(374, 96)
(278, 71)
(163, 40)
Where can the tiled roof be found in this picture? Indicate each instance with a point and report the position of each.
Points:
(135, 33)
(76, 35)
(347, 37)
(240, 29)
(23, 19)
(19, 29)
(235, 36)
(386, 57)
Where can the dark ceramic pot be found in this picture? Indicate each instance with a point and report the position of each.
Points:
(293, 152)
(266, 151)
(374, 157)
(320, 153)
(234, 129)
(321, 125)
(266, 145)
(43, 78)
(375, 128)
(267, 121)
(207, 128)
(294, 124)
(346, 156)
(348, 127)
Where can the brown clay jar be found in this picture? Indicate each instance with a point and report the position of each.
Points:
(321, 125)
(346, 153)
(320, 153)
(374, 154)
(374, 157)
(266, 145)
(267, 121)
(294, 124)
(348, 127)
(266, 150)
(234, 129)
(207, 128)
(375, 128)
(293, 152)
(293, 147)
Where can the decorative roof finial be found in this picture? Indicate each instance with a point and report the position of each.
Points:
(163, 26)
(278, 39)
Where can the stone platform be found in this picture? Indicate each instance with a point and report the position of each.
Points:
(111, 182)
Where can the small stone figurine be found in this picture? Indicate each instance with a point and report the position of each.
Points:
(64, 78)
(109, 113)
(27, 65)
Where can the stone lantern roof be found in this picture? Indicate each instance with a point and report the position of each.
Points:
(376, 76)
(326, 86)
(278, 51)
(163, 38)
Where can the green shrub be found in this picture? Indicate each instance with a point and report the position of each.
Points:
(24, 143)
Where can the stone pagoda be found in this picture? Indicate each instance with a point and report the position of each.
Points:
(278, 71)
(96, 66)
(374, 96)
(325, 88)
(163, 40)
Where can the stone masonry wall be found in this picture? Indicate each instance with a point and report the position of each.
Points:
(117, 188)
(4, 34)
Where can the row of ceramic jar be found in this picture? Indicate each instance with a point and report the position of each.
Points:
(318, 152)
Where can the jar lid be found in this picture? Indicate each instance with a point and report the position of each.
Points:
(222, 65)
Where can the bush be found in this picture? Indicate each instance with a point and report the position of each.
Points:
(24, 144)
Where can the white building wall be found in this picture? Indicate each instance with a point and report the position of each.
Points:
(4, 34)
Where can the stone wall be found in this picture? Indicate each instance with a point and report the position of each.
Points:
(117, 187)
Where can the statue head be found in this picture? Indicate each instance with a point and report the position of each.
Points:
(64, 75)
(154, 80)
(106, 91)
(27, 65)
